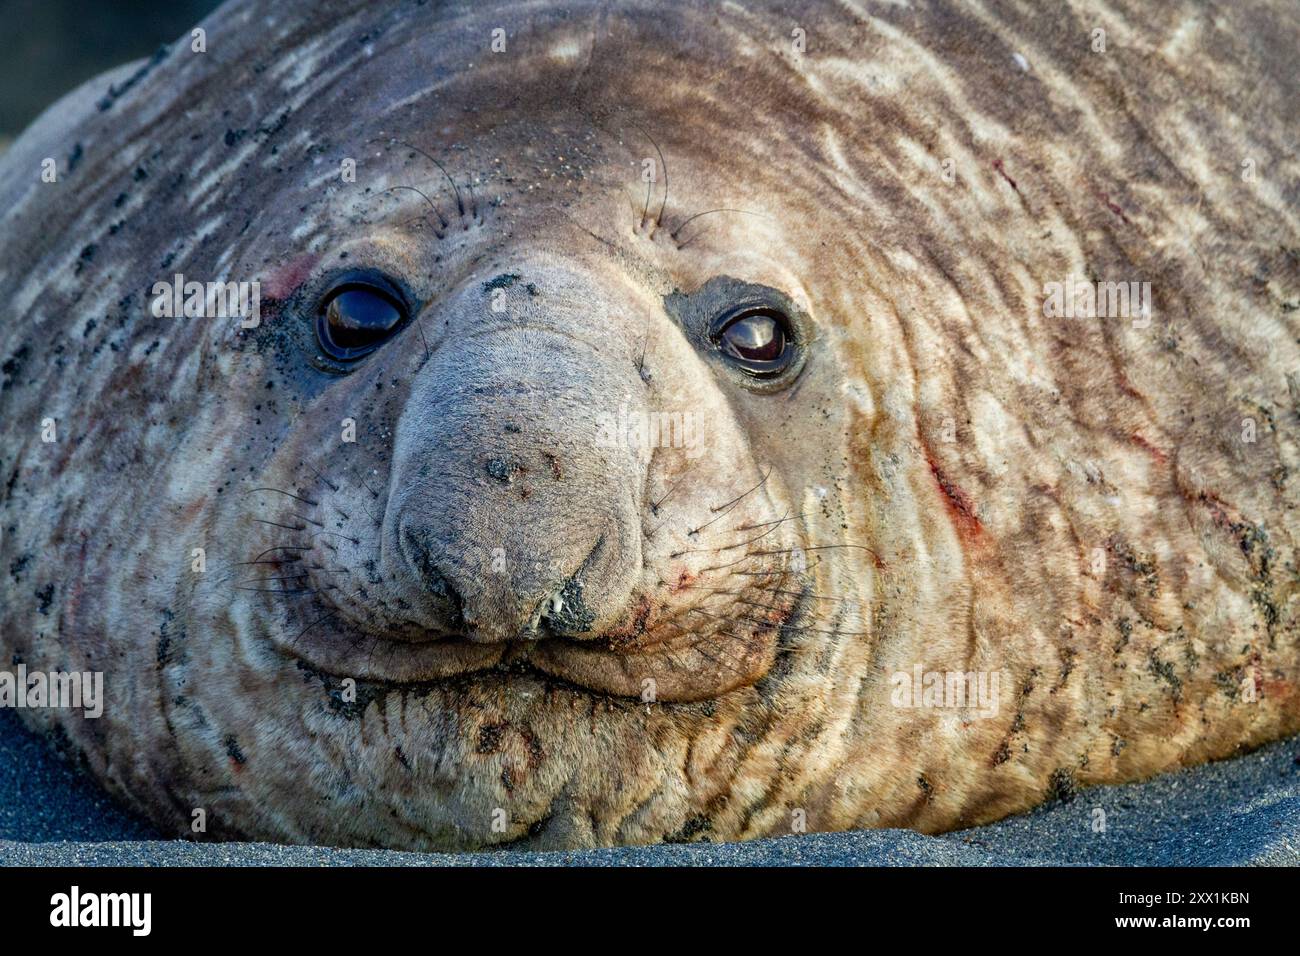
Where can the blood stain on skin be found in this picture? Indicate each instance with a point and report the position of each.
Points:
(959, 502)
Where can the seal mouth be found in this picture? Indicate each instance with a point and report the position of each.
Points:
(690, 664)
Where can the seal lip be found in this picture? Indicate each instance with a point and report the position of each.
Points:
(387, 660)
(593, 666)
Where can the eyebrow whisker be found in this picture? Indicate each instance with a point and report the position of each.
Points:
(460, 203)
(421, 194)
(708, 212)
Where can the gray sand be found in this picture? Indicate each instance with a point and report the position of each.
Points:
(1241, 811)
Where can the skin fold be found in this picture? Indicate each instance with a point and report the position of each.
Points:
(482, 622)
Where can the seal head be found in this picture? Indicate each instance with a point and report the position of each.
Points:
(639, 427)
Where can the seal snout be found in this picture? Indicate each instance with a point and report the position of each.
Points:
(513, 519)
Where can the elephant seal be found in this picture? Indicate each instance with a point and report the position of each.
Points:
(653, 423)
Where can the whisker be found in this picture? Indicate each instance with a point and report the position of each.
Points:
(729, 547)
(659, 216)
(338, 534)
(741, 560)
(741, 497)
(655, 505)
(729, 664)
(442, 219)
(699, 235)
(764, 524)
(365, 484)
(640, 362)
(719, 617)
(759, 574)
(811, 597)
(649, 188)
(306, 501)
(287, 592)
(812, 630)
(276, 524)
(318, 620)
(708, 212)
(473, 202)
(279, 547)
(823, 547)
(782, 591)
(374, 494)
(326, 482)
(728, 506)
(287, 577)
(765, 607)
(460, 205)
(419, 327)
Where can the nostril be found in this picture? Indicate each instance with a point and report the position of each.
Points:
(417, 546)
(565, 613)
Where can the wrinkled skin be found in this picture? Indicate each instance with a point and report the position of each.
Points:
(440, 635)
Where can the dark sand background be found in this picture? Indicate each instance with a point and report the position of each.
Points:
(1242, 811)
(49, 47)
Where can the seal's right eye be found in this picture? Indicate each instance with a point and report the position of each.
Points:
(356, 318)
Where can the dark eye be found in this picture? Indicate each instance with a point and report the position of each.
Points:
(356, 319)
(759, 340)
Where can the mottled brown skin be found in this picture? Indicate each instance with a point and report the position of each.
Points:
(1068, 503)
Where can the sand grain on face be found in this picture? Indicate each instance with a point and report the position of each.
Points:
(1097, 510)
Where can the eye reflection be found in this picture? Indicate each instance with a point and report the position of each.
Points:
(759, 341)
(357, 320)
(754, 337)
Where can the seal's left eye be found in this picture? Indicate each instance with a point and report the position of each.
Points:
(356, 319)
(760, 341)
